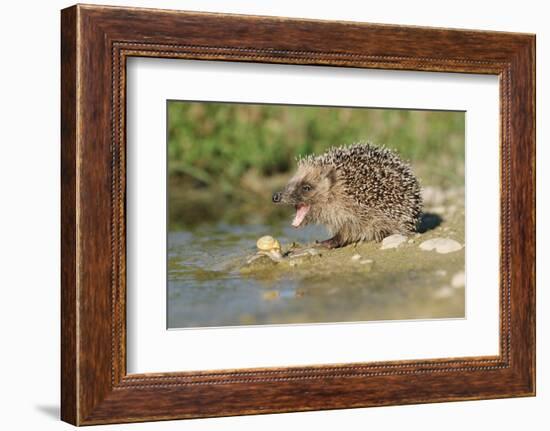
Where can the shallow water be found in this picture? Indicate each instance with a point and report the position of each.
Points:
(206, 286)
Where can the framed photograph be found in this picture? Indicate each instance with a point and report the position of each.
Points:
(264, 214)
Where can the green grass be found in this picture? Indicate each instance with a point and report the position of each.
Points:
(217, 143)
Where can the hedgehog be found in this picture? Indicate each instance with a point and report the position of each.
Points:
(360, 192)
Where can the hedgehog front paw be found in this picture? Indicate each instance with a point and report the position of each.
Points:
(334, 242)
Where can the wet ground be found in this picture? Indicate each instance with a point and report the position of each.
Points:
(211, 284)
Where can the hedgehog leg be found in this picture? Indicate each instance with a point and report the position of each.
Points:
(334, 242)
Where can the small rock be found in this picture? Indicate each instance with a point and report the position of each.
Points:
(444, 292)
(441, 245)
(411, 241)
(458, 280)
(356, 257)
(393, 241)
(441, 272)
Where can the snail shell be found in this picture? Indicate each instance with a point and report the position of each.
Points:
(268, 243)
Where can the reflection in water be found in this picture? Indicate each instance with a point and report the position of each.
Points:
(206, 287)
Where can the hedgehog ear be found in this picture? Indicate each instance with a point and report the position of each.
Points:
(331, 175)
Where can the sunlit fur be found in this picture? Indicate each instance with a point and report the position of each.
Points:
(359, 192)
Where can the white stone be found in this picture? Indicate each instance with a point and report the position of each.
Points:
(444, 292)
(458, 280)
(441, 272)
(393, 241)
(441, 245)
(366, 261)
(356, 257)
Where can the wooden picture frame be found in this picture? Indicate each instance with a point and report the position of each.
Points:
(95, 43)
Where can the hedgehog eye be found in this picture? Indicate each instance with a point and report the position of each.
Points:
(306, 188)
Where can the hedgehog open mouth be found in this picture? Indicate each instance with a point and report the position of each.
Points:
(301, 212)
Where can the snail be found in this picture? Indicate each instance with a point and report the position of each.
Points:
(270, 247)
(268, 243)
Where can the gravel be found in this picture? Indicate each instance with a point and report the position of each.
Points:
(393, 241)
(441, 245)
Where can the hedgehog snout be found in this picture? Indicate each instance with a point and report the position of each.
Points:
(289, 195)
(276, 198)
(283, 197)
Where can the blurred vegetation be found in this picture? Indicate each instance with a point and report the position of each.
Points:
(236, 151)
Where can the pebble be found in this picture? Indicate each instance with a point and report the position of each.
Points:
(356, 257)
(458, 280)
(366, 261)
(441, 272)
(411, 241)
(393, 241)
(441, 245)
(444, 292)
